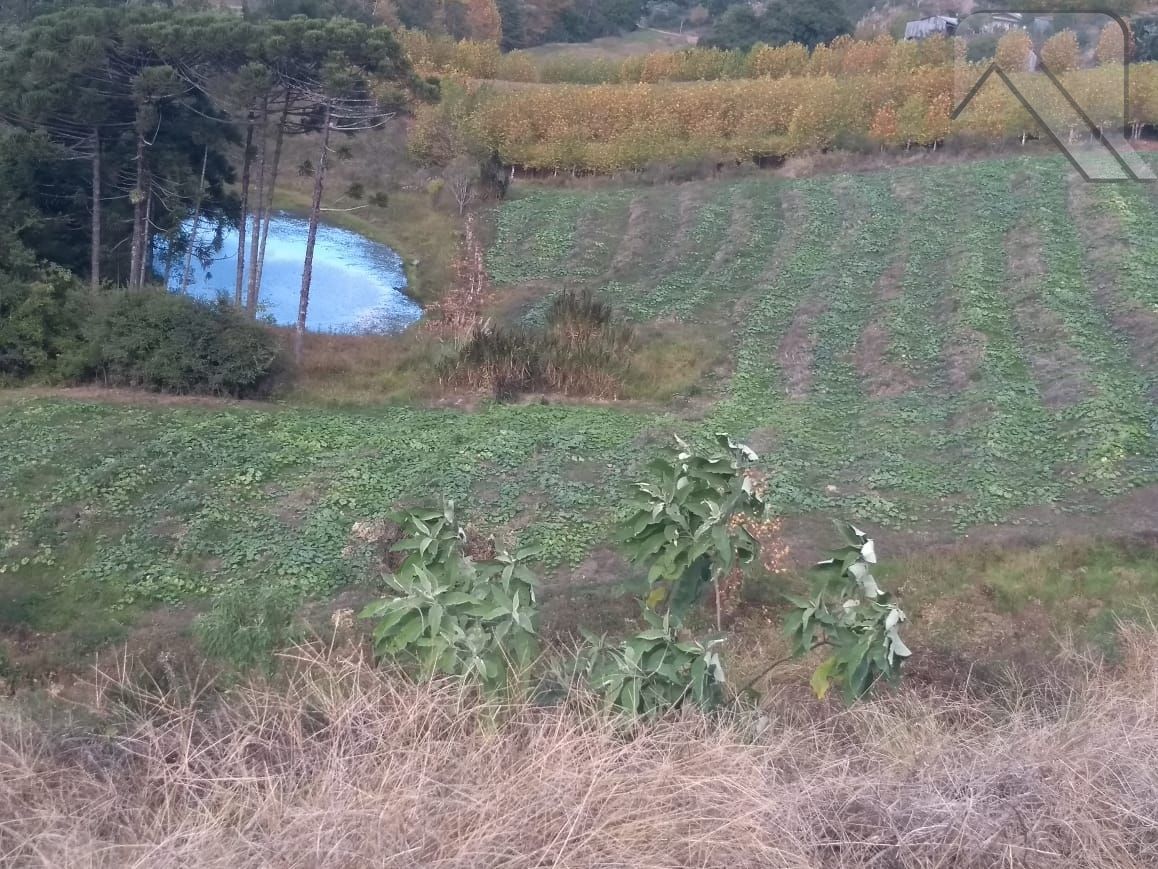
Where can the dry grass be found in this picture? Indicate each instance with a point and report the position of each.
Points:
(581, 351)
(344, 370)
(348, 766)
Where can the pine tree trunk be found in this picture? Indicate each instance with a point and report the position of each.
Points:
(258, 214)
(137, 247)
(196, 225)
(245, 162)
(146, 261)
(95, 254)
(259, 266)
(312, 237)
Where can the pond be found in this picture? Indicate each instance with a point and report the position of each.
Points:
(357, 283)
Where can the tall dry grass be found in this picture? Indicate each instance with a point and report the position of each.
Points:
(344, 765)
(581, 351)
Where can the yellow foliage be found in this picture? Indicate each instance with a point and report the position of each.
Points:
(1061, 52)
(608, 127)
(1111, 45)
(1013, 50)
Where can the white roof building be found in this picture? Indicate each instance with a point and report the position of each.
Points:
(926, 27)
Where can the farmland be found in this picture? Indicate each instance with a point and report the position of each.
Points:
(927, 350)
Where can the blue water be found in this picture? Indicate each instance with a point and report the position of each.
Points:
(357, 283)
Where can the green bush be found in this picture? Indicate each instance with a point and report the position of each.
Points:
(41, 320)
(162, 341)
(246, 625)
(981, 48)
(453, 615)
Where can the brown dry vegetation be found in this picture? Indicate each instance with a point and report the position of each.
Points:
(346, 765)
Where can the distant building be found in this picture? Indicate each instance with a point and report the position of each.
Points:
(1003, 22)
(931, 26)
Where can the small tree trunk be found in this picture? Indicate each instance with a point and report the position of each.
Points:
(196, 225)
(258, 213)
(246, 160)
(95, 254)
(312, 236)
(259, 266)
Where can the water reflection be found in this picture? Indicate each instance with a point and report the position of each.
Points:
(357, 283)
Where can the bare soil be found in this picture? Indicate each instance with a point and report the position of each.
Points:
(634, 242)
(881, 376)
(798, 346)
(1062, 376)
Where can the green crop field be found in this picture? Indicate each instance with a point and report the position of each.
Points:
(933, 348)
(948, 344)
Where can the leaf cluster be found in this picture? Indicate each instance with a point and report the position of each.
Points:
(848, 611)
(451, 615)
(682, 522)
(655, 671)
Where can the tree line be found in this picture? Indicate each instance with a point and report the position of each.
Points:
(608, 128)
(843, 56)
(130, 138)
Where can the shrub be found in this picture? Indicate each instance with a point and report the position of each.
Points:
(581, 350)
(686, 522)
(656, 671)
(848, 612)
(981, 48)
(453, 615)
(162, 341)
(41, 323)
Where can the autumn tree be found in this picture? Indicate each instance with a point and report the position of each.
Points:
(1061, 52)
(885, 127)
(386, 13)
(483, 22)
(1013, 51)
(1111, 45)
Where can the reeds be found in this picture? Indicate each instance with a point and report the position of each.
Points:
(581, 351)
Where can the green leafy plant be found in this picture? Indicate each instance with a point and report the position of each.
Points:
(655, 671)
(848, 611)
(683, 523)
(452, 615)
(246, 625)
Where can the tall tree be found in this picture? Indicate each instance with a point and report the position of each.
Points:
(97, 83)
(483, 22)
(355, 78)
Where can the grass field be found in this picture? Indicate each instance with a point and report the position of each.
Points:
(928, 351)
(945, 344)
(642, 41)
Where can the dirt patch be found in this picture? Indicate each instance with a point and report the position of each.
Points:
(880, 376)
(963, 354)
(1105, 249)
(797, 348)
(739, 233)
(634, 241)
(689, 205)
(1062, 376)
